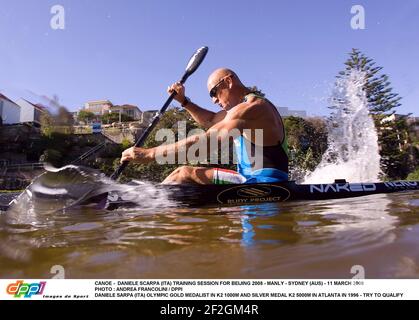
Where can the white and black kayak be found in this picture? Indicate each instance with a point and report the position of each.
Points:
(243, 194)
(239, 194)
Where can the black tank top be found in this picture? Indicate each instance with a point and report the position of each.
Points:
(275, 157)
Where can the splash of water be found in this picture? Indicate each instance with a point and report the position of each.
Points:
(352, 152)
(60, 190)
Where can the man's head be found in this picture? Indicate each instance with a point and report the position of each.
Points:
(225, 88)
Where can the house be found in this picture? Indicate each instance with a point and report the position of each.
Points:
(30, 112)
(9, 111)
(98, 107)
(102, 107)
(127, 109)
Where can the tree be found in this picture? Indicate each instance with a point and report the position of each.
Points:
(64, 121)
(307, 141)
(85, 116)
(382, 102)
(61, 122)
(47, 124)
(114, 117)
(397, 160)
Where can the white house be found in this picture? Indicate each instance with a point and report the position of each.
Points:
(9, 111)
(98, 107)
(29, 112)
(127, 109)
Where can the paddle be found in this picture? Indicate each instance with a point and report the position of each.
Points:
(67, 187)
(193, 64)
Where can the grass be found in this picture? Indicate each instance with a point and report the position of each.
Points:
(413, 176)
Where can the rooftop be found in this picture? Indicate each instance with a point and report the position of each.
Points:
(99, 102)
(6, 98)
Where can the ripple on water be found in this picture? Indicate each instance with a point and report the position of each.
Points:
(83, 226)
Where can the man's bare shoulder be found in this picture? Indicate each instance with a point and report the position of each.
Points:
(251, 108)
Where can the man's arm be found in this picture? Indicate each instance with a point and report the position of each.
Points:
(204, 117)
(220, 132)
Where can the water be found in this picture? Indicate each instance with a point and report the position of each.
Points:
(317, 239)
(353, 152)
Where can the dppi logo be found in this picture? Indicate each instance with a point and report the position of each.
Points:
(27, 290)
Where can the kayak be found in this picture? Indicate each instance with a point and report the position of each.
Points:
(243, 194)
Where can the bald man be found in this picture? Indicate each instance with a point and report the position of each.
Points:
(243, 112)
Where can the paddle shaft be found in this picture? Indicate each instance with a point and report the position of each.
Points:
(150, 128)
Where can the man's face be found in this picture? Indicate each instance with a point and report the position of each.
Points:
(218, 89)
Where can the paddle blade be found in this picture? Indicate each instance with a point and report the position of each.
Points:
(62, 188)
(195, 62)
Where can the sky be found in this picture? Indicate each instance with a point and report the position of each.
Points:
(129, 51)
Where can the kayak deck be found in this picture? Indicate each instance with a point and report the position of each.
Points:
(238, 194)
(243, 194)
